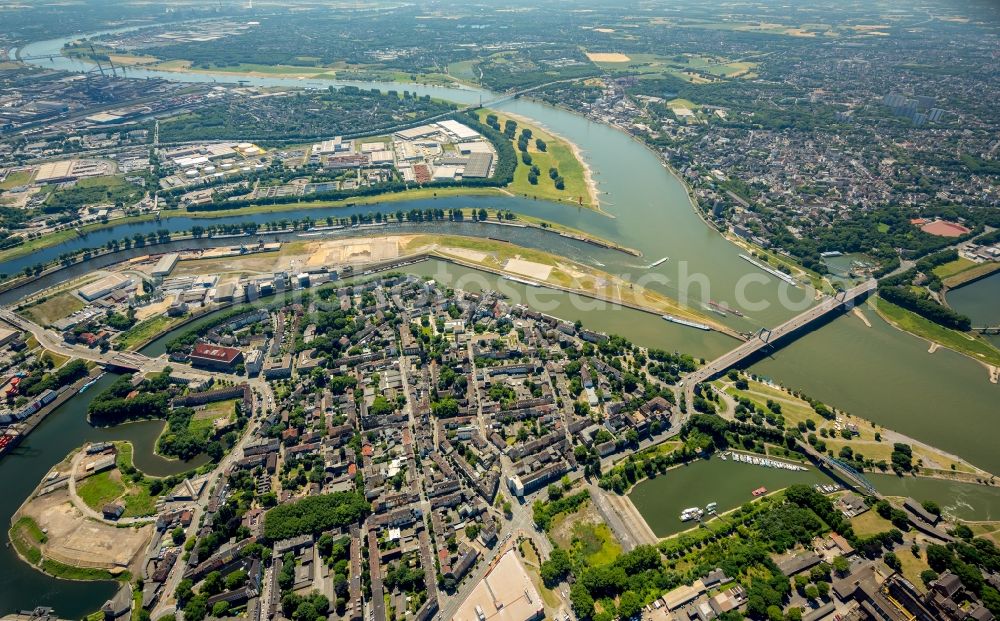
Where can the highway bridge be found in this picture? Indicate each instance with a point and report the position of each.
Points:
(769, 338)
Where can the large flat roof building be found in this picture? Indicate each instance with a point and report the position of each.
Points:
(458, 130)
(504, 594)
(478, 166)
(208, 356)
(165, 265)
(104, 286)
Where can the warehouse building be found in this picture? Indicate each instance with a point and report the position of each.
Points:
(104, 286)
(165, 265)
(458, 130)
(478, 166)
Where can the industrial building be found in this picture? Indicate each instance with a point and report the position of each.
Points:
(165, 265)
(104, 286)
(478, 166)
(458, 130)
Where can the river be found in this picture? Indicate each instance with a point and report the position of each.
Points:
(877, 372)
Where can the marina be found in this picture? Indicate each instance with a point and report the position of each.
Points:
(765, 462)
(663, 499)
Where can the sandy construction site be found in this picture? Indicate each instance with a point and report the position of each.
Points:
(76, 540)
(350, 251)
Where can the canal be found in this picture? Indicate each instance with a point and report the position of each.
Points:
(64, 430)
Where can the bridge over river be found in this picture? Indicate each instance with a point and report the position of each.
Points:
(770, 338)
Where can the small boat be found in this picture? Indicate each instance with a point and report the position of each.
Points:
(691, 513)
(711, 507)
(760, 491)
(84, 388)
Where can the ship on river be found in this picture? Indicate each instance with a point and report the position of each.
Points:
(685, 322)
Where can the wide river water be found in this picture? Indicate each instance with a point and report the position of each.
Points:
(878, 372)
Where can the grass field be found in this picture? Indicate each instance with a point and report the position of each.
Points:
(970, 273)
(53, 309)
(584, 532)
(138, 501)
(144, 331)
(596, 543)
(558, 154)
(15, 179)
(26, 537)
(967, 344)
(950, 269)
(99, 489)
(532, 563)
(692, 68)
(205, 418)
(912, 566)
(68, 572)
(57, 359)
(869, 523)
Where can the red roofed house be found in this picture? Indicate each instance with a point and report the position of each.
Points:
(215, 357)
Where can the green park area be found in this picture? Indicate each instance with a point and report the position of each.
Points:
(99, 489)
(546, 153)
(123, 483)
(967, 343)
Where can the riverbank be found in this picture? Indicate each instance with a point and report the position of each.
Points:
(848, 436)
(55, 536)
(534, 267)
(969, 276)
(342, 72)
(555, 143)
(907, 321)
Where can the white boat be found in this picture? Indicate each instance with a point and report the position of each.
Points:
(711, 507)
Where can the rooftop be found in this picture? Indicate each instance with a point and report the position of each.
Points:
(505, 594)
